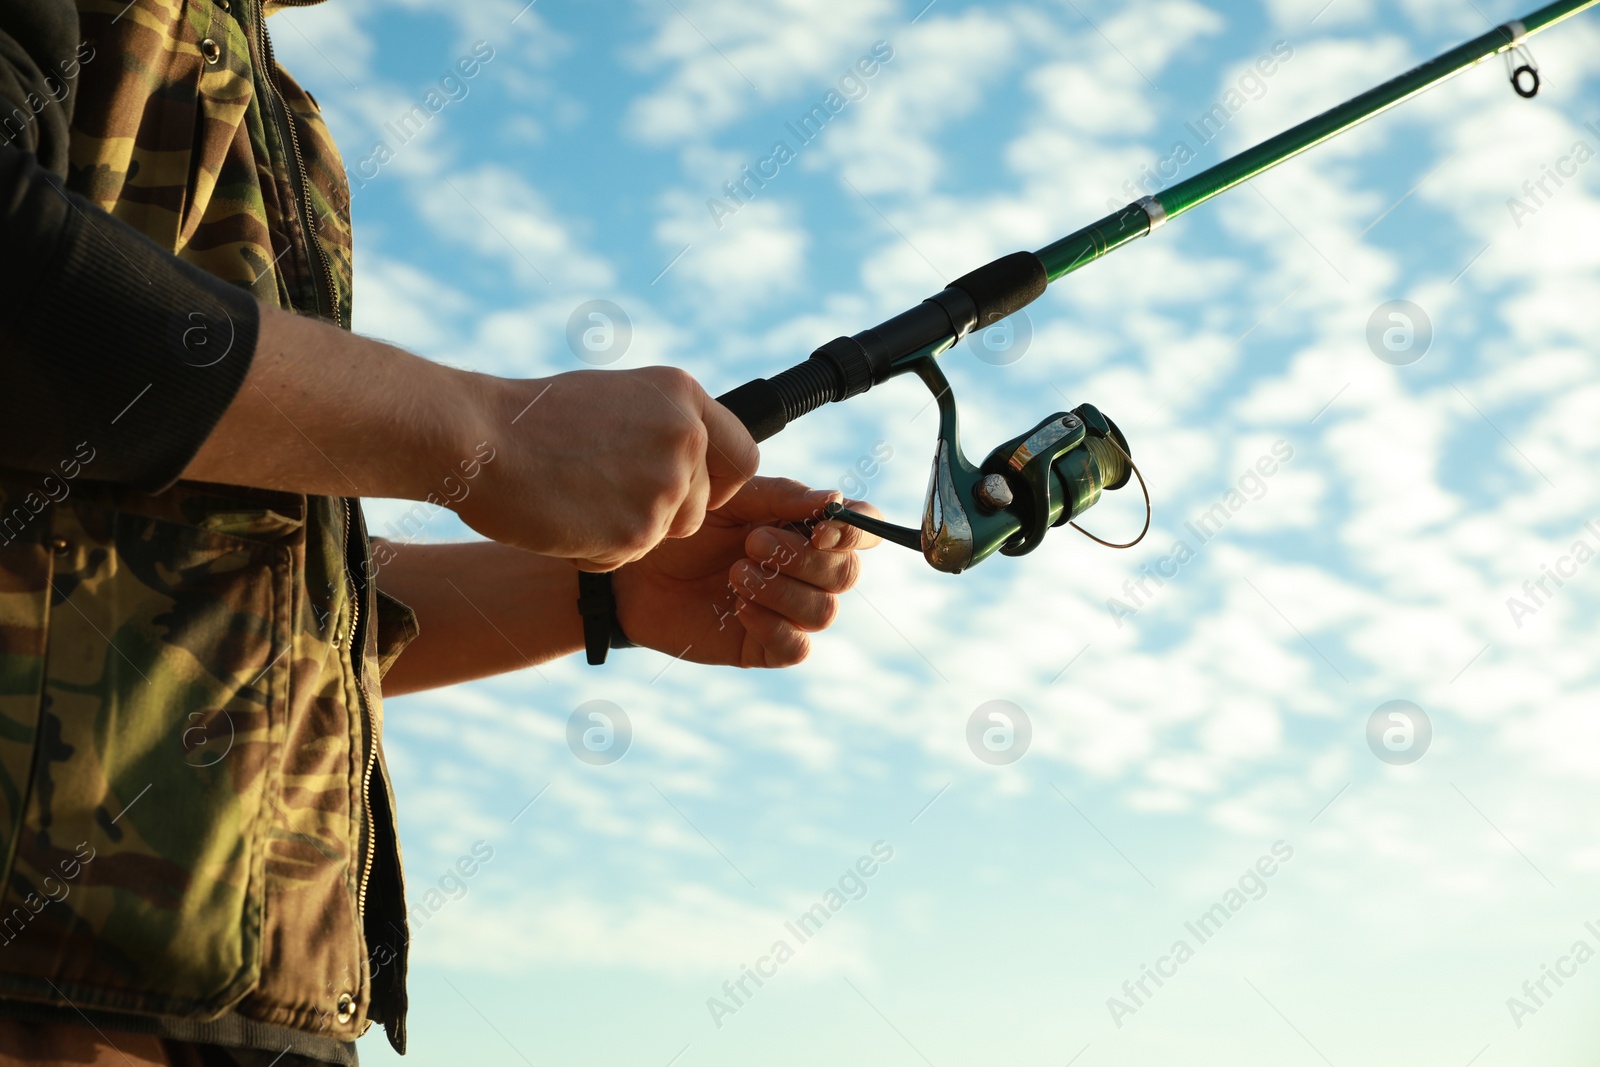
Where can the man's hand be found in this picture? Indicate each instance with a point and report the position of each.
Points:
(592, 466)
(742, 591)
(600, 466)
(739, 591)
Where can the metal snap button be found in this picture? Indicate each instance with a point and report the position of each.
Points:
(59, 545)
(347, 1008)
(226, 5)
(211, 50)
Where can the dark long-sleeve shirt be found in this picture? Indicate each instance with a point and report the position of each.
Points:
(104, 336)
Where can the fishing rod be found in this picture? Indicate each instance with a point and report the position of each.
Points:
(1052, 473)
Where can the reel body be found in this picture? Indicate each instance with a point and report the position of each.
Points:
(1039, 479)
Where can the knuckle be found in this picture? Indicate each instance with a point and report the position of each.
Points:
(645, 534)
(663, 515)
(788, 486)
(664, 490)
(677, 439)
(690, 439)
(633, 546)
(849, 573)
(674, 381)
(828, 613)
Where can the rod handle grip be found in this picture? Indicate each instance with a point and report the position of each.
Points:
(767, 405)
(757, 404)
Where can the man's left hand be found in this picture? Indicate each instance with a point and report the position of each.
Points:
(742, 591)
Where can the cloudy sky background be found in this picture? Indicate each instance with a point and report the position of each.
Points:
(1169, 752)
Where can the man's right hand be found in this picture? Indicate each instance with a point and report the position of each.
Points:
(593, 466)
(600, 466)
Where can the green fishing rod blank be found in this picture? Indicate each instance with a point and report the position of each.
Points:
(1115, 230)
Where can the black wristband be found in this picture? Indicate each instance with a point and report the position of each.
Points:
(598, 606)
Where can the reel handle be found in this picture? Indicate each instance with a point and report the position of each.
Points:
(889, 531)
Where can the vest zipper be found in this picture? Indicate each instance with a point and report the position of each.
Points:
(369, 757)
(327, 294)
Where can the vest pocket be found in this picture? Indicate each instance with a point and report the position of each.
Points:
(131, 154)
(138, 871)
(224, 94)
(24, 624)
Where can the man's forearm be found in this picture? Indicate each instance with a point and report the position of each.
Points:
(484, 609)
(590, 465)
(327, 412)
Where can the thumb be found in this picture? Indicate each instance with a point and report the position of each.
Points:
(765, 500)
(731, 453)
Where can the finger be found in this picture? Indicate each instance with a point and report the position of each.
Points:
(731, 453)
(835, 536)
(691, 511)
(839, 536)
(809, 608)
(782, 644)
(774, 551)
(778, 500)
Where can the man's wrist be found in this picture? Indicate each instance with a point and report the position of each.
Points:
(452, 436)
(597, 605)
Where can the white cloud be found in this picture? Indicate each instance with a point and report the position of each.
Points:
(939, 74)
(505, 220)
(755, 255)
(722, 59)
(691, 931)
(402, 304)
(1321, 74)
(1310, 16)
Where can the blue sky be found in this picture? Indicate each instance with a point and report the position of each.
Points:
(1172, 748)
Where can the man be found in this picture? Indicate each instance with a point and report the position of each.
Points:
(198, 857)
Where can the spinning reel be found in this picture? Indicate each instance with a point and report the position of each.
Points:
(1043, 478)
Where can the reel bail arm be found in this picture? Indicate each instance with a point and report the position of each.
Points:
(1039, 479)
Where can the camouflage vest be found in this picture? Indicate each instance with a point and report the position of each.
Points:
(195, 816)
